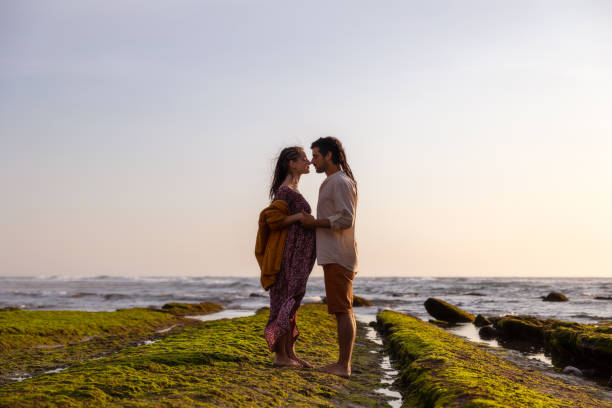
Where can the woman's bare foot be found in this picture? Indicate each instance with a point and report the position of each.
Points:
(336, 369)
(303, 363)
(285, 362)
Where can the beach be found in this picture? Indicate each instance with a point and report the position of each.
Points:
(213, 353)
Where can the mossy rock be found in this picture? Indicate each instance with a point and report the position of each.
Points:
(488, 332)
(218, 363)
(555, 297)
(442, 310)
(481, 321)
(527, 328)
(570, 343)
(191, 309)
(33, 342)
(358, 301)
(441, 323)
(439, 369)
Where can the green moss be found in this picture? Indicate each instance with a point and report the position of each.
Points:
(447, 312)
(358, 301)
(569, 342)
(439, 369)
(33, 342)
(218, 363)
(191, 309)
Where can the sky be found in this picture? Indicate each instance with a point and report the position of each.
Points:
(138, 138)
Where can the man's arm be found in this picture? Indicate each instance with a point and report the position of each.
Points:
(345, 201)
(308, 221)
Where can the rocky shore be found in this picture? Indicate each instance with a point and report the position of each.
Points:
(217, 363)
(144, 357)
(439, 369)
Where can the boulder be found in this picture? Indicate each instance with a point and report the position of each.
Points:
(573, 371)
(488, 332)
(555, 297)
(527, 328)
(191, 309)
(358, 301)
(442, 310)
(481, 321)
(441, 323)
(570, 343)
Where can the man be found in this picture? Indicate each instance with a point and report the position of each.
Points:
(336, 246)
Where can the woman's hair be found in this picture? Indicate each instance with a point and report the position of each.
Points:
(282, 167)
(333, 145)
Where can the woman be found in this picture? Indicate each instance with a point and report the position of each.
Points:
(298, 259)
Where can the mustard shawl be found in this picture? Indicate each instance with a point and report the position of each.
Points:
(270, 242)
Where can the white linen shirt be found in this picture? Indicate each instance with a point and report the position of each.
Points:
(337, 203)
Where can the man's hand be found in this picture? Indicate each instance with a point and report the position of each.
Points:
(307, 221)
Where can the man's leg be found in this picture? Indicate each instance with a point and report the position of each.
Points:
(347, 329)
(339, 292)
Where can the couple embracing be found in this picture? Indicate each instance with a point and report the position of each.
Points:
(290, 239)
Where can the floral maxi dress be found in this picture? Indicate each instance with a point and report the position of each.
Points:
(299, 256)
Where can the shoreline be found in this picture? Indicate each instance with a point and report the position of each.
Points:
(376, 378)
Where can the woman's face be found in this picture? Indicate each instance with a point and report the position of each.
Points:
(301, 165)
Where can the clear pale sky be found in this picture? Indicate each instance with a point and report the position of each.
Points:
(138, 137)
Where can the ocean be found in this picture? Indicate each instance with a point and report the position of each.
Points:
(244, 295)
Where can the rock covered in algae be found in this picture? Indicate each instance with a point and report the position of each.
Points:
(441, 323)
(218, 363)
(488, 332)
(555, 297)
(358, 301)
(570, 343)
(439, 369)
(442, 310)
(191, 309)
(481, 321)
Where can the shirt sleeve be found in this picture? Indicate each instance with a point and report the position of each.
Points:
(345, 202)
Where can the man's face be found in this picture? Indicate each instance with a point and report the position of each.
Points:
(319, 161)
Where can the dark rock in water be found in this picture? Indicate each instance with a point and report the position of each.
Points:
(573, 371)
(324, 300)
(591, 372)
(494, 319)
(555, 297)
(441, 323)
(488, 332)
(442, 310)
(481, 321)
(526, 328)
(569, 343)
(358, 301)
(191, 309)
(475, 294)
(256, 295)
(603, 297)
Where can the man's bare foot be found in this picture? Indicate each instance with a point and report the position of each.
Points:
(336, 369)
(286, 362)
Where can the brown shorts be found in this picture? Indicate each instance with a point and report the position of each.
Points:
(338, 288)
